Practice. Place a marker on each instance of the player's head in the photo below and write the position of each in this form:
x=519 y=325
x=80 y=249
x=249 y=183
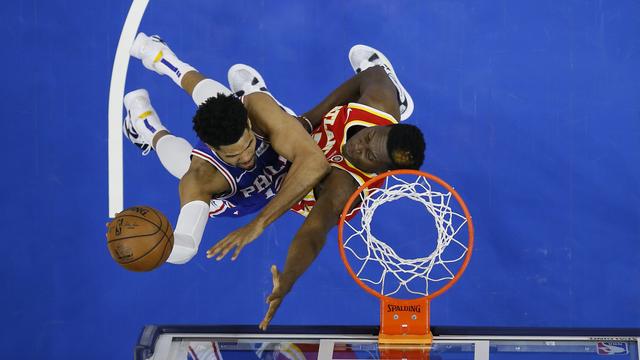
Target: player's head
x=221 y=122
x=380 y=148
x=406 y=147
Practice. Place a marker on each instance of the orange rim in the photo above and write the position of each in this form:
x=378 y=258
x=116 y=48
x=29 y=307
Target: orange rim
x=380 y=177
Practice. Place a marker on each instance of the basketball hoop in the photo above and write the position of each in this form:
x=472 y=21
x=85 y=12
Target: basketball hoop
x=405 y=321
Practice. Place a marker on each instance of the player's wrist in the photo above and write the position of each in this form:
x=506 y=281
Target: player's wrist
x=259 y=223
x=285 y=283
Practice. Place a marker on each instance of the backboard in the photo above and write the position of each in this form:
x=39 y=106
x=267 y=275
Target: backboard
x=169 y=342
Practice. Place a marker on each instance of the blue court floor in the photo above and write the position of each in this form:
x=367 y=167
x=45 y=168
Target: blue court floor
x=531 y=109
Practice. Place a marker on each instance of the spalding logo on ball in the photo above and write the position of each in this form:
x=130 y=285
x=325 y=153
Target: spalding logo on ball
x=140 y=238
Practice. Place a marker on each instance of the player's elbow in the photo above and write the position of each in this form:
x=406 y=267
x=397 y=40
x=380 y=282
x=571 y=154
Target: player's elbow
x=312 y=163
x=325 y=166
x=188 y=232
x=320 y=165
x=184 y=249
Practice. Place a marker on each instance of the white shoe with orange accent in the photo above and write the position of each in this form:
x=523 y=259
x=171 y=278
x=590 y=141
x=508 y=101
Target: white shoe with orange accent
x=141 y=123
x=363 y=57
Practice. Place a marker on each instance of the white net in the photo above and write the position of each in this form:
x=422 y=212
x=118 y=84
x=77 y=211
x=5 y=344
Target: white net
x=379 y=265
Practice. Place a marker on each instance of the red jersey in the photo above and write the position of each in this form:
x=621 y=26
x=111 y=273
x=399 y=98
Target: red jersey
x=331 y=136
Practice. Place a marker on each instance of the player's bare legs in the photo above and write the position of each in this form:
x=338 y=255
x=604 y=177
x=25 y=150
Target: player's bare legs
x=375 y=84
x=157 y=56
x=190 y=80
x=143 y=127
x=362 y=57
x=377 y=91
x=371 y=87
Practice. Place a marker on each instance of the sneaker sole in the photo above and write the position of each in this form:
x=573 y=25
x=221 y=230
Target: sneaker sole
x=136 y=47
x=263 y=88
x=409 y=110
x=134 y=94
x=252 y=71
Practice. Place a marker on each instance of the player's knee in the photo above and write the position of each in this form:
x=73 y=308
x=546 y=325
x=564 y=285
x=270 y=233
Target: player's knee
x=376 y=72
x=376 y=79
x=382 y=98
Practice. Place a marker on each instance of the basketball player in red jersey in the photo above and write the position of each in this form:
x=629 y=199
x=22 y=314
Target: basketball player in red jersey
x=357 y=129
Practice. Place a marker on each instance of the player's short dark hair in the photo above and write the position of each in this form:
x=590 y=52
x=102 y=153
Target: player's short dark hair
x=220 y=120
x=406 y=147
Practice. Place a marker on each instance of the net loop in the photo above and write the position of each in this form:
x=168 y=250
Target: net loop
x=413 y=275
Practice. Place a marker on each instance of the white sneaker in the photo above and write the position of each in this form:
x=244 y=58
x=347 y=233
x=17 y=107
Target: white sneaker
x=141 y=123
x=152 y=50
x=131 y=134
x=245 y=80
x=363 y=57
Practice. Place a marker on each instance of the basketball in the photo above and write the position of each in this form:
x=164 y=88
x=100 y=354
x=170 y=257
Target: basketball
x=140 y=238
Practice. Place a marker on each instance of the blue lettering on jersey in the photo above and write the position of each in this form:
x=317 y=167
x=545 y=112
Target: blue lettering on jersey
x=250 y=189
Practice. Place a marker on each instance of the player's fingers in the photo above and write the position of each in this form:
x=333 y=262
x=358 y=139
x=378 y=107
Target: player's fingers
x=264 y=324
x=212 y=252
x=273 y=307
x=274 y=275
x=220 y=246
x=221 y=255
x=273 y=297
x=215 y=248
x=226 y=250
x=237 y=252
x=267 y=319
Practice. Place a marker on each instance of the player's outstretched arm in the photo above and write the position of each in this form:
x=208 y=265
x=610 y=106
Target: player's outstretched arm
x=310 y=239
x=197 y=186
x=308 y=167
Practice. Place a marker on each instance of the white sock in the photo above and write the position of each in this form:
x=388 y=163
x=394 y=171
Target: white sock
x=208 y=88
x=174 y=154
x=171 y=66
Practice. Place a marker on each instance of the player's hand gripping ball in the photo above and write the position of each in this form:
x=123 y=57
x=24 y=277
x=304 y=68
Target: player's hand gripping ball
x=140 y=238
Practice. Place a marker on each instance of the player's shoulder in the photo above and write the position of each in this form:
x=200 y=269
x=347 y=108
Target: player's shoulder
x=267 y=115
x=367 y=114
x=204 y=177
